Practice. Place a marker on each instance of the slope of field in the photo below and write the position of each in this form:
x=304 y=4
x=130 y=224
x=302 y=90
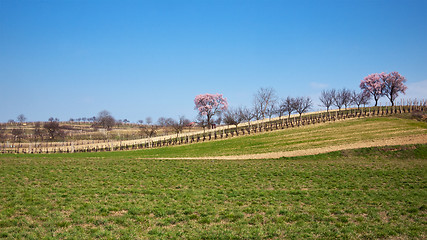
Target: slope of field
x=355 y=194
x=329 y=135
x=364 y=193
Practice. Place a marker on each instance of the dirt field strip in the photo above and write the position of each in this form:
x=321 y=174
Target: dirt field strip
x=419 y=139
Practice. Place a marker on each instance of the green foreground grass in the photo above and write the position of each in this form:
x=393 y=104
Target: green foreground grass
x=367 y=193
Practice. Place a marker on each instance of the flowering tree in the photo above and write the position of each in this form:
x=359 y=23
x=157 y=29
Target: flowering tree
x=209 y=105
x=393 y=84
x=383 y=84
x=374 y=85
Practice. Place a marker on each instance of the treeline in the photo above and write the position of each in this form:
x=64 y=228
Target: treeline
x=414 y=108
x=100 y=128
x=266 y=103
x=213 y=110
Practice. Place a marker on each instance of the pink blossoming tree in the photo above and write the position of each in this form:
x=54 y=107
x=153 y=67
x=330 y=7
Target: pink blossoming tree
x=383 y=84
x=210 y=105
x=374 y=85
x=393 y=84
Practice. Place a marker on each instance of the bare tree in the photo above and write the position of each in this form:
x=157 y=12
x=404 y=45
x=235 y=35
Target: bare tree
x=302 y=105
x=53 y=129
x=3 y=135
x=21 y=118
x=18 y=134
x=38 y=132
x=280 y=111
x=106 y=120
x=169 y=122
x=327 y=98
x=219 y=118
x=148 y=120
x=247 y=115
x=165 y=123
x=234 y=116
x=272 y=109
x=51 y=119
x=342 y=98
x=361 y=98
x=263 y=100
x=338 y=100
x=150 y=130
x=179 y=125
x=202 y=122
x=346 y=97
x=161 y=121
x=287 y=106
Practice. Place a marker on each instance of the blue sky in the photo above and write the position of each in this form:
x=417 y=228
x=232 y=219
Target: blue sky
x=75 y=58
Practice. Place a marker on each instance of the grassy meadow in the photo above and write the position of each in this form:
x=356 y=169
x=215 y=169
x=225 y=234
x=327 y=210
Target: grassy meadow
x=365 y=193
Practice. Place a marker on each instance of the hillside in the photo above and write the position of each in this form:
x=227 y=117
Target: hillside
x=353 y=133
x=371 y=193
x=349 y=124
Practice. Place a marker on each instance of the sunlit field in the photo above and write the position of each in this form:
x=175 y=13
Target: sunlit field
x=302 y=138
x=366 y=193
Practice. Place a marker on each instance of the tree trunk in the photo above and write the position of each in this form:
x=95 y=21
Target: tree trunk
x=209 y=121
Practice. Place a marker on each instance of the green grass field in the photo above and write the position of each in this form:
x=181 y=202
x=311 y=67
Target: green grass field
x=366 y=193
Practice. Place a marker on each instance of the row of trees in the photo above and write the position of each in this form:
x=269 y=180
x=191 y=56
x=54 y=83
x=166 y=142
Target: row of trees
x=21 y=119
x=150 y=130
x=267 y=104
x=51 y=129
x=235 y=116
x=94 y=120
x=343 y=98
x=213 y=108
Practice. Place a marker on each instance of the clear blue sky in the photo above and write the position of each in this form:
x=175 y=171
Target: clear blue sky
x=70 y=59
